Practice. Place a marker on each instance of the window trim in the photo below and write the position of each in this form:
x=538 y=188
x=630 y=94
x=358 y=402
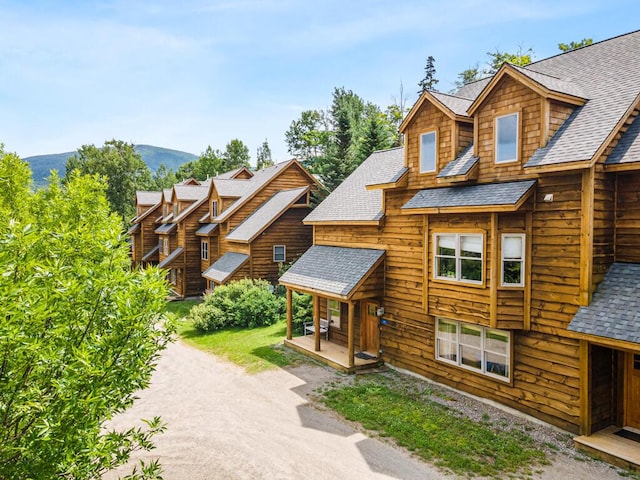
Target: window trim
x=173 y=277
x=495 y=138
x=165 y=246
x=435 y=151
x=458 y=258
x=204 y=250
x=522 y=260
x=214 y=208
x=334 y=321
x=284 y=253
x=483 y=349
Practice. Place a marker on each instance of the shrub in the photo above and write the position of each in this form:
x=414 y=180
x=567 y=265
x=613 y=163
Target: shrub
x=302 y=309
x=244 y=303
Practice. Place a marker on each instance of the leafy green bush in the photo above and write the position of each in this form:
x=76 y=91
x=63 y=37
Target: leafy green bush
x=302 y=309
x=244 y=303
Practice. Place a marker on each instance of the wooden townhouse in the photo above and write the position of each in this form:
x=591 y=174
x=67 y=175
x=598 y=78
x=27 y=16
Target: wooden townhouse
x=498 y=251
x=144 y=241
x=254 y=225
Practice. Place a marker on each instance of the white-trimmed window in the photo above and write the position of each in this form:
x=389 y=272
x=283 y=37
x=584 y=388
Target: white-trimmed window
x=279 y=253
x=428 y=152
x=204 y=250
x=480 y=349
x=506 y=138
x=458 y=257
x=173 y=277
x=165 y=246
x=513 y=250
x=333 y=313
x=212 y=285
x=176 y=210
x=214 y=209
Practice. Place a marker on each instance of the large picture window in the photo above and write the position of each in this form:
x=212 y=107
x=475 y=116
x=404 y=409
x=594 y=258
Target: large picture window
x=458 y=257
x=506 y=138
x=480 y=349
x=513 y=259
x=333 y=313
x=428 y=152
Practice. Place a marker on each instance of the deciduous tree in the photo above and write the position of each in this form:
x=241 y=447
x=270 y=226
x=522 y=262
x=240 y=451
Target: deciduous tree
x=80 y=332
x=567 y=47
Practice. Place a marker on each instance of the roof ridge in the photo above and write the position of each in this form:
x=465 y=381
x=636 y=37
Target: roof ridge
x=455 y=96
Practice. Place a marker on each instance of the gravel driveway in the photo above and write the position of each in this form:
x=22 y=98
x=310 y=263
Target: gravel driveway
x=225 y=424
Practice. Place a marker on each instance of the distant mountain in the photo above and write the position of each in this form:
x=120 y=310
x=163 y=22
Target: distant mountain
x=41 y=165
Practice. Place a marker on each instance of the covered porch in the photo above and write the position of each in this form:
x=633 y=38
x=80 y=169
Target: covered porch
x=346 y=285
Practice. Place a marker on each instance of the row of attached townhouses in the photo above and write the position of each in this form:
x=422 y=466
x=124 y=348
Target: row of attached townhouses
x=498 y=251
x=236 y=225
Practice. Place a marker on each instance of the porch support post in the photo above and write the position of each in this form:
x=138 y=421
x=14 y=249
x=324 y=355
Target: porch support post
x=316 y=322
x=289 y=314
x=585 y=388
x=350 y=319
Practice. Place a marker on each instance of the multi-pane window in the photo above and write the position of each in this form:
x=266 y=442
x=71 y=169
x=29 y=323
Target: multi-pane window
x=458 y=257
x=279 y=253
x=428 y=152
x=214 y=209
x=176 y=210
x=204 y=250
x=480 y=349
x=513 y=259
x=506 y=138
x=333 y=313
x=165 y=246
x=173 y=277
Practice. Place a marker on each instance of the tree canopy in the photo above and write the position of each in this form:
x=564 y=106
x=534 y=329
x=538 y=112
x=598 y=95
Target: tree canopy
x=429 y=80
x=493 y=63
x=123 y=168
x=80 y=330
x=263 y=156
x=567 y=47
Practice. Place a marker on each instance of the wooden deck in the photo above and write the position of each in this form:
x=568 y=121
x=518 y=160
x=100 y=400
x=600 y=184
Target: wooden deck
x=332 y=354
x=611 y=448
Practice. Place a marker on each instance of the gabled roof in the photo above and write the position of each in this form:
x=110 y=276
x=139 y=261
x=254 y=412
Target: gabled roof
x=166 y=195
x=190 y=193
x=234 y=188
x=265 y=215
x=335 y=271
x=486 y=197
x=351 y=201
x=225 y=266
x=627 y=151
x=259 y=180
x=146 y=198
x=133 y=229
x=461 y=166
x=235 y=173
x=455 y=107
x=177 y=256
x=146 y=213
x=614 y=312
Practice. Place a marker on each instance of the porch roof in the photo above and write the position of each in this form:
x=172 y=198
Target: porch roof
x=334 y=271
x=207 y=229
x=489 y=197
x=133 y=228
x=152 y=255
x=614 y=312
x=166 y=228
x=225 y=266
x=172 y=258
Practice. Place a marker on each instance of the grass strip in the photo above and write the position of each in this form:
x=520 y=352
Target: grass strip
x=435 y=432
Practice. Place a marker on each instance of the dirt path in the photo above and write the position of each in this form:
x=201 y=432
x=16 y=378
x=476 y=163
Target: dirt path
x=225 y=424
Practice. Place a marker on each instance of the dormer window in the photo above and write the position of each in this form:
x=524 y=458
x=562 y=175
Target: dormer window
x=175 y=210
x=214 y=209
x=506 y=138
x=428 y=152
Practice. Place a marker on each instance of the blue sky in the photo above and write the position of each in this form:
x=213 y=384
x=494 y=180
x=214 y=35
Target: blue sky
x=193 y=73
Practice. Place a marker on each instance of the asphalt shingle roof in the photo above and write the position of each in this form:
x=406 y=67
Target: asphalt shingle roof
x=552 y=83
x=461 y=165
x=628 y=148
x=227 y=187
x=166 y=228
x=225 y=266
x=148 y=198
x=454 y=103
x=191 y=193
x=608 y=74
x=615 y=308
x=334 y=270
x=351 y=201
x=151 y=255
x=265 y=215
x=172 y=257
x=207 y=229
x=488 y=194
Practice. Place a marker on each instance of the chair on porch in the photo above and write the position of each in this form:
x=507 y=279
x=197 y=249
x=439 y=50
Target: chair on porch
x=310 y=328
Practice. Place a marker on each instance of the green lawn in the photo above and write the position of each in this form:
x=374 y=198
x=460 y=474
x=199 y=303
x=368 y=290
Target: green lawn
x=255 y=349
x=435 y=432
